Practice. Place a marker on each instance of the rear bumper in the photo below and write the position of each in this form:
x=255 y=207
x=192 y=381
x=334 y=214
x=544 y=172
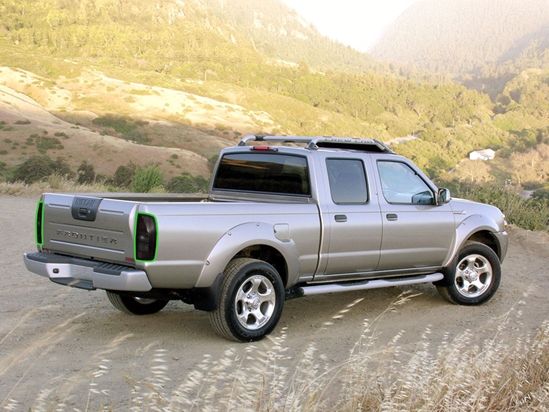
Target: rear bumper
x=86 y=274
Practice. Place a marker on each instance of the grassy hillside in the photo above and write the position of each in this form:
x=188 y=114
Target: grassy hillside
x=106 y=91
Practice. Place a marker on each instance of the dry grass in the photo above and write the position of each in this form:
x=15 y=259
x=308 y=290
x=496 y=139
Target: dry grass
x=462 y=374
x=51 y=184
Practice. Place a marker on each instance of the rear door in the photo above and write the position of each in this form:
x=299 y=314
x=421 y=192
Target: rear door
x=352 y=221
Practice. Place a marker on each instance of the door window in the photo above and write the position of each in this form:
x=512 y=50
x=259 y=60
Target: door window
x=347 y=181
x=402 y=185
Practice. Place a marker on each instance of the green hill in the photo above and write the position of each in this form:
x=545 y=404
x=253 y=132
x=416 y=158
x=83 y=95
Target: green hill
x=168 y=84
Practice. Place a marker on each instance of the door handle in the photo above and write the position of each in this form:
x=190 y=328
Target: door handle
x=340 y=218
x=392 y=217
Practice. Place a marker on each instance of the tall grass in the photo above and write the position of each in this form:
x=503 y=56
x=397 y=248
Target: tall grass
x=499 y=373
x=53 y=183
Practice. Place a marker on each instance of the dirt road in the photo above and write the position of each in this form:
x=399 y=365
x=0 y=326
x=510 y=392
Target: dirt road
x=67 y=349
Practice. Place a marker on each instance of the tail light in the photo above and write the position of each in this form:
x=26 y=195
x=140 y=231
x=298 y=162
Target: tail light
x=145 y=237
x=39 y=221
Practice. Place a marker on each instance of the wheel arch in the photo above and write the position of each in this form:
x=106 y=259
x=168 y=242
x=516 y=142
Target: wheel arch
x=255 y=240
x=482 y=229
x=486 y=237
x=268 y=254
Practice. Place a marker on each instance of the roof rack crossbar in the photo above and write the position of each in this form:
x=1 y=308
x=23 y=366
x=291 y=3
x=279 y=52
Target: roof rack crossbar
x=316 y=142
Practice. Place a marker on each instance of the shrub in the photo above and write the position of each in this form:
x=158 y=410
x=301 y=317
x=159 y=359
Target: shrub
x=147 y=180
x=123 y=175
x=86 y=173
x=44 y=143
x=187 y=184
x=530 y=214
x=61 y=134
x=37 y=168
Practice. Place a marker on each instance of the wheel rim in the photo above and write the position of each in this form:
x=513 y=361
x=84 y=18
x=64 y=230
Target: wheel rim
x=144 y=301
x=255 y=302
x=473 y=276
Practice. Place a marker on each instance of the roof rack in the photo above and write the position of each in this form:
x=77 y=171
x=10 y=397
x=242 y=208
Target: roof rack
x=317 y=142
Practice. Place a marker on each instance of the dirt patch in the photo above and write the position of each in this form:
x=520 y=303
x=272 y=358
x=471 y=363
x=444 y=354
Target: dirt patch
x=67 y=349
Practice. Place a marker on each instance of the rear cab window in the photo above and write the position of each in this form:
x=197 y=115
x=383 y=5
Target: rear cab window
x=273 y=173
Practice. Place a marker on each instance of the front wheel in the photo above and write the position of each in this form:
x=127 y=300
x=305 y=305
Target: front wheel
x=475 y=277
x=251 y=301
x=136 y=306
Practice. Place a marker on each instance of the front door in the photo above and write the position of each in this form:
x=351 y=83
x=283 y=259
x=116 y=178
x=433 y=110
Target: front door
x=417 y=233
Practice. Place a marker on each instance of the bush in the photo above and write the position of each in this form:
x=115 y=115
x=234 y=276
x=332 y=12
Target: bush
x=123 y=176
x=530 y=214
x=187 y=184
x=86 y=173
x=44 y=143
x=147 y=180
x=37 y=168
x=127 y=128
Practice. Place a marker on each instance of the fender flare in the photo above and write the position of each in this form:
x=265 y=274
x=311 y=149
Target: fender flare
x=241 y=237
x=465 y=230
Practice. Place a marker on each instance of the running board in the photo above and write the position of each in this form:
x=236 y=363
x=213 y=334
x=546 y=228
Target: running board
x=367 y=284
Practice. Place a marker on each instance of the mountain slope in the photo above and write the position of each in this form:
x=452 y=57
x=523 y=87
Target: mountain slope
x=459 y=36
x=279 y=33
x=165 y=34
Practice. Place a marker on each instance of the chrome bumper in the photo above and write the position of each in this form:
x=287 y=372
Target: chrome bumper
x=86 y=274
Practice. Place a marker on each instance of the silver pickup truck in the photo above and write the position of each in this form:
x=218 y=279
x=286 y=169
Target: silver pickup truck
x=285 y=217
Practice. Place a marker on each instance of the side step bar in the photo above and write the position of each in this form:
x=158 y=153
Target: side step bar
x=366 y=284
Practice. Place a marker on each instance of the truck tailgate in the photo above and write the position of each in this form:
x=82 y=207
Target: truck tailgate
x=88 y=227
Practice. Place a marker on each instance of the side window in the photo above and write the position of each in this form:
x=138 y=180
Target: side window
x=347 y=180
x=401 y=184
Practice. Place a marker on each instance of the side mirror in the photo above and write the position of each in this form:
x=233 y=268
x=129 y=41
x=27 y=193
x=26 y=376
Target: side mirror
x=443 y=196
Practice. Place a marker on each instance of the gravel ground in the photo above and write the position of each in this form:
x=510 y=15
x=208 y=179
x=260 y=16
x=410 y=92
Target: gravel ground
x=68 y=349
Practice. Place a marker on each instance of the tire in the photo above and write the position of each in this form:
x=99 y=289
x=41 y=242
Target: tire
x=475 y=276
x=250 y=302
x=136 y=306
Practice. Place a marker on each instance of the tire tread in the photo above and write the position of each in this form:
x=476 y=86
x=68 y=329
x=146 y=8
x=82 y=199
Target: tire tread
x=219 y=317
x=128 y=304
x=447 y=291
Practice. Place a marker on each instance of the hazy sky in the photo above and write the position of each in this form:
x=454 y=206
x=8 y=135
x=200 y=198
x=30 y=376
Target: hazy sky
x=358 y=23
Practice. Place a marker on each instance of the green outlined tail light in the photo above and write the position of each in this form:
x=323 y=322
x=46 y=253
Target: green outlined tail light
x=39 y=223
x=145 y=237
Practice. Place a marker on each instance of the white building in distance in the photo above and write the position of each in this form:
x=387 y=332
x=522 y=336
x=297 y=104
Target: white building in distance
x=486 y=154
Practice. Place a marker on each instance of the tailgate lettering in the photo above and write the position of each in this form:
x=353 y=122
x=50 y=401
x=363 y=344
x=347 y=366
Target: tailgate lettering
x=86 y=236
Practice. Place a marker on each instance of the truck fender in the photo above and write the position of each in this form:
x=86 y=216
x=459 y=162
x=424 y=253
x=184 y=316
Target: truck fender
x=467 y=228
x=243 y=236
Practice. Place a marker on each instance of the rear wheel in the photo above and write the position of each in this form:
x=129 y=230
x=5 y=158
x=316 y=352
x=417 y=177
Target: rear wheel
x=475 y=277
x=135 y=305
x=251 y=301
